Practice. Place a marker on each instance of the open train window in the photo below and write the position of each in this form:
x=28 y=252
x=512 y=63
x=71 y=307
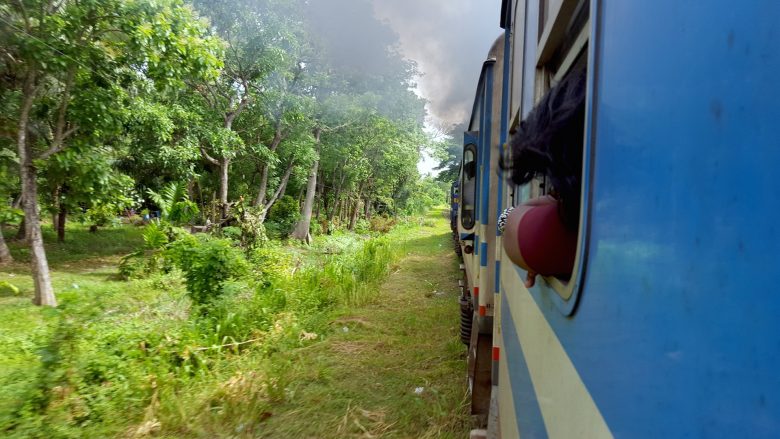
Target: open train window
x=564 y=52
x=561 y=50
x=468 y=193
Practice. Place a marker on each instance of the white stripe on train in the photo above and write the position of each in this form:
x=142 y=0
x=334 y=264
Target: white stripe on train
x=566 y=405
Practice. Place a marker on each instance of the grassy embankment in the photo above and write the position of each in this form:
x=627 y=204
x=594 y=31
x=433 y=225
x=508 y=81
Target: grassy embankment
x=326 y=352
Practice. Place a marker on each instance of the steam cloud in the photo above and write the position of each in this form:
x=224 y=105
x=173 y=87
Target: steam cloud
x=448 y=39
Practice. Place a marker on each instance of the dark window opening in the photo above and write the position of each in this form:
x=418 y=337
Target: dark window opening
x=468 y=192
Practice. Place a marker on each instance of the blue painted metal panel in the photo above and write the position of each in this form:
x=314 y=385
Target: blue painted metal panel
x=486 y=144
x=505 y=110
x=470 y=138
x=483 y=254
x=676 y=334
x=527 y=411
x=498 y=277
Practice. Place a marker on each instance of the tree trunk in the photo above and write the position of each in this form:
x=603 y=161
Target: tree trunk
x=320 y=190
x=337 y=213
x=261 y=194
x=367 y=209
x=21 y=234
x=224 y=168
x=55 y=199
x=5 y=253
x=279 y=191
x=344 y=215
x=356 y=210
x=301 y=231
x=44 y=293
x=337 y=196
x=61 y=217
x=355 y=215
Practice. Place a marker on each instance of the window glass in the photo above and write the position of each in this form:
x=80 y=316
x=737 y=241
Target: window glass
x=469 y=187
x=518 y=32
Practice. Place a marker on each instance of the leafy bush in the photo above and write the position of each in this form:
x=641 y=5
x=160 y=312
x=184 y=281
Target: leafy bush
x=274 y=230
x=232 y=233
x=149 y=259
x=101 y=215
x=270 y=263
x=207 y=263
x=155 y=237
x=382 y=224
x=362 y=226
x=250 y=221
x=284 y=214
x=174 y=203
x=183 y=212
x=315 y=228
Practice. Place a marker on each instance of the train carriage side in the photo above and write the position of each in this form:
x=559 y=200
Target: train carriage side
x=668 y=325
x=480 y=191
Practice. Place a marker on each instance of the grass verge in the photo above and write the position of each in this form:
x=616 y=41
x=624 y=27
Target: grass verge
x=330 y=351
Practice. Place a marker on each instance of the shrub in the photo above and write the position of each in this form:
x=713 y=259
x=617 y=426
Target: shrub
x=155 y=237
x=174 y=203
x=250 y=221
x=183 y=212
x=207 y=263
x=102 y=215
x=232 y=233
x=315 y=228
x=149 y=259
x=270 y=263
x=362 y=226
x=284 y=213
x=382 y=224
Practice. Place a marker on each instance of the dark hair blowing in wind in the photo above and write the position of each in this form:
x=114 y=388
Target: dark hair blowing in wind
x=548 y=143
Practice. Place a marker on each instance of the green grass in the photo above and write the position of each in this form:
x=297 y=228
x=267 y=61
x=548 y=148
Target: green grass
x=126 y=358
x=360 y=382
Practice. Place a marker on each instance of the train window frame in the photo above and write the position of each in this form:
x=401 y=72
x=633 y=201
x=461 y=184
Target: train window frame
x=462 y=200
x=563 y=28
x=517 y=62
x=577 y=52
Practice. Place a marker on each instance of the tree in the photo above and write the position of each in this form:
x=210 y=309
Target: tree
x=258 y=35
x=449 y=152
x=74 y=65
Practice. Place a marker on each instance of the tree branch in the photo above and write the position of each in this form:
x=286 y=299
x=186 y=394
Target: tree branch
x=282 y=184
x=59 y=146
x=208 y=158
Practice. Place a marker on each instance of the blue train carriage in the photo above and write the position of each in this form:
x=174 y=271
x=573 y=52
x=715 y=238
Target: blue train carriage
x=480 y=193
x=454 y=199
x=668 y=324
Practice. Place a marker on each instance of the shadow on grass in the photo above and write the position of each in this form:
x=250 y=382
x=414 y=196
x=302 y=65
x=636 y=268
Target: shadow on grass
x=81 y=246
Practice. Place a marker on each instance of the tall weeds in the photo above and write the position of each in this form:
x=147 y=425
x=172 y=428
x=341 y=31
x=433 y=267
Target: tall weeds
x=158 y=365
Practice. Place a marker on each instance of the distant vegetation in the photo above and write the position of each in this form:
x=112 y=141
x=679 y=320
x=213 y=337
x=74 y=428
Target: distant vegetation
x=113 y=356
x=186 y=186
x=228 y=115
